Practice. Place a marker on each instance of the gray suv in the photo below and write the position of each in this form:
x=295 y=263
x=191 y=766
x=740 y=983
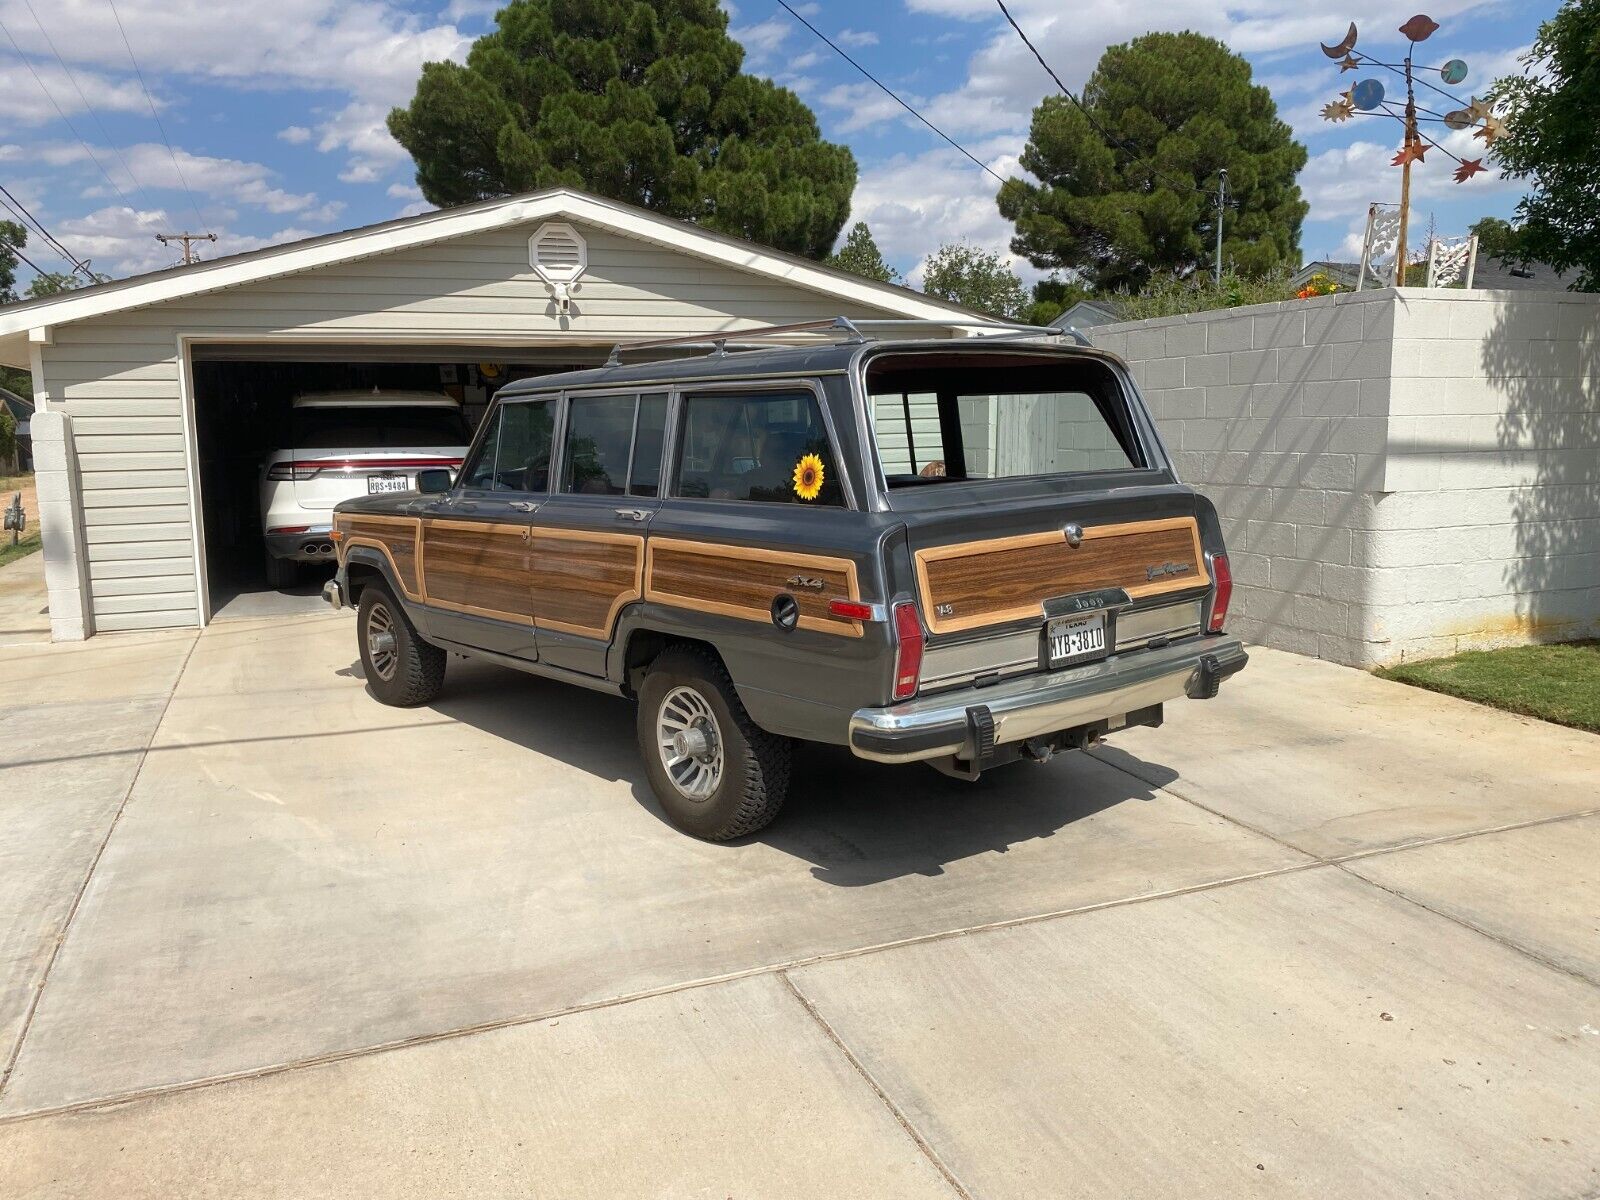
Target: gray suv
x=960 y=551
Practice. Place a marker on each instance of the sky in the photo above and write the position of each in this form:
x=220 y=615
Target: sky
x=264 y=122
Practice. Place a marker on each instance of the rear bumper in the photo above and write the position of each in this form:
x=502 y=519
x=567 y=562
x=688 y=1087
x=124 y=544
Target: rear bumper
x=311 y=545
x=958 y=725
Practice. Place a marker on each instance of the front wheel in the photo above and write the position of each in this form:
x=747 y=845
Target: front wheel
x=717 y=773
x=401 y=668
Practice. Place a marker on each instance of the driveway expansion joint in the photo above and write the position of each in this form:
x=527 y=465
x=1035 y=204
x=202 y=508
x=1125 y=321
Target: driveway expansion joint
x=88 y=875
x=911 y=1130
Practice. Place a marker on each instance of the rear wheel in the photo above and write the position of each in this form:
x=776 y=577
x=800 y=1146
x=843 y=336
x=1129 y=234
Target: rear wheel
x=717 y=773
x=401 y=668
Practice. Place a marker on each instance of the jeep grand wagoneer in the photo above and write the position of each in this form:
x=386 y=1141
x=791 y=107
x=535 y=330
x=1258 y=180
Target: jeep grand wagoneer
x=958 y=551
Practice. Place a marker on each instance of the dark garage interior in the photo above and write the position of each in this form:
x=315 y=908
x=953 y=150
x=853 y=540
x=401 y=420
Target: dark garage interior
x=243 y=397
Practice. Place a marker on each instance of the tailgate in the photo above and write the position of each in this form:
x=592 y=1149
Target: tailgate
x=988 y=568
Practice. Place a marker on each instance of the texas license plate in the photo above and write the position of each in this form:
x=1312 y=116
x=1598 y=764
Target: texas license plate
x=1071 y=639
x=377 y=485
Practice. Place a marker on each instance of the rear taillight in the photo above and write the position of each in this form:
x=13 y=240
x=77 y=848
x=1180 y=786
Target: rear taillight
x=287 y=472
x=908 y=650
x=1219 y=603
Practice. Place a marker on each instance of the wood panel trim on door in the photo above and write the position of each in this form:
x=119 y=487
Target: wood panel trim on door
x=595 y=580
x=741 y=581
x=516 y=589
x=1057 y=574
x=367 y=529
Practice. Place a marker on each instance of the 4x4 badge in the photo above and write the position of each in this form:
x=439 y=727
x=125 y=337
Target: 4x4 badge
x=805 y=581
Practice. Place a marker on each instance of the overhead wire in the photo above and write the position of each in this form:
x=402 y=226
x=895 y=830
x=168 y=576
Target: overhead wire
x=7 y=247
x=888 y=91
x=150 y=100
x=20 y=211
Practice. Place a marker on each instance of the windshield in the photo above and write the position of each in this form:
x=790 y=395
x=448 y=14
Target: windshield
x=950 y=417
x=378 y=427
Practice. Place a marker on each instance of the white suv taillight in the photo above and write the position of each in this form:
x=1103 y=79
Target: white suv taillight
x=286 y=472
x=908 y=650
x=1219 y=604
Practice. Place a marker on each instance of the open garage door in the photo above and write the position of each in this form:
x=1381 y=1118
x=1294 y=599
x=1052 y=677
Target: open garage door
x=253 y=402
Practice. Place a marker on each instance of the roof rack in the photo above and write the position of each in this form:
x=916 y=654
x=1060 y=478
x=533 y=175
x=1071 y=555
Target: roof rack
x=844 y=331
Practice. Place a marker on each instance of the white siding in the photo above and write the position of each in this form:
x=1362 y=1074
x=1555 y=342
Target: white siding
x=119 y=376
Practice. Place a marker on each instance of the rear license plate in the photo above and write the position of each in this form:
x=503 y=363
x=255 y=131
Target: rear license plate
x=1073 y=639
x=378 y=484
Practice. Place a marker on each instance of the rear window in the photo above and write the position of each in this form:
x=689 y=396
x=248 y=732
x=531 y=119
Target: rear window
x=377 y=427
x=954 y=420
x=768 y=447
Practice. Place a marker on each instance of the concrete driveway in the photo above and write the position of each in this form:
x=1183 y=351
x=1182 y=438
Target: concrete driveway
x=260 y=935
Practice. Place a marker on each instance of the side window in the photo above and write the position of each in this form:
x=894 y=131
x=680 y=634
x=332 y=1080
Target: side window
x=646 y=476
x=527 y=434
x=770 y=447
x=599 y=436
x=481 y=473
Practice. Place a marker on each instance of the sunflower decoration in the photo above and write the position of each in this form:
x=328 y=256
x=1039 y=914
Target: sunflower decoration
x=808 y=477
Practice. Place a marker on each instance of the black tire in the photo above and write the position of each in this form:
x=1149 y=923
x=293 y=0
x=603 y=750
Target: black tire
x=281 y=572
x=752 y=775
x=402 y=669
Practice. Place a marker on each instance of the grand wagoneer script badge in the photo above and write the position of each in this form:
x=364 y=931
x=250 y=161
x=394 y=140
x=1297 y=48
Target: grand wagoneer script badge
x=1166 y=568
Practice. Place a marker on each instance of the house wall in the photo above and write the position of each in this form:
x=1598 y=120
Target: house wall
x=119 y=378
x=1399 y=473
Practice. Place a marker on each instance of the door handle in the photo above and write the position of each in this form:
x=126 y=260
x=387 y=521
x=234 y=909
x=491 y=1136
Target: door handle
x=523 y=505
x=633 y=514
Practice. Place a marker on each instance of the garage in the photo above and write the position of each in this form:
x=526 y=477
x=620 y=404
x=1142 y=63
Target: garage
x=163 y=397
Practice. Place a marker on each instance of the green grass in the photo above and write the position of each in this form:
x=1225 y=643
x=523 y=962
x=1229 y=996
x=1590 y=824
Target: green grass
x=29 y=543
x=1555 y=683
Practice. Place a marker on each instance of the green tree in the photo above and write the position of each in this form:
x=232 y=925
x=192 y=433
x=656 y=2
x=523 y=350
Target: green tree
x=860 y=256
x=13 y=237
x=1552 y=139
x=638 y=100
x=1052 y=296
x=976 y=278
x=1178 y=108
x=8 y=444
x=53 y=283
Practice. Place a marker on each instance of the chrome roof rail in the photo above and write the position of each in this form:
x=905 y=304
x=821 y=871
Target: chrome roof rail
x=846 y=330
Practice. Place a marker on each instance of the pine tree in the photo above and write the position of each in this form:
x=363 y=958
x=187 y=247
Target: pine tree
x=1177 y=107
x=638 y=100
x=860 y=256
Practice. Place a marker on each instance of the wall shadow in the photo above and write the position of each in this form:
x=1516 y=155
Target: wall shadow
x=1551 y=423
x=856 y=823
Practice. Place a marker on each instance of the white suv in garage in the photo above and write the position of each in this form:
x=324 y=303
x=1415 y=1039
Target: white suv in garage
x=345 y=444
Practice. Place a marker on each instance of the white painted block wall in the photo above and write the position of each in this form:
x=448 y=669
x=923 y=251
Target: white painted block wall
x=1399 y=474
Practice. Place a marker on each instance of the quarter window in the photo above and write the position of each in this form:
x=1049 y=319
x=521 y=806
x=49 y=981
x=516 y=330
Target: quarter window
x=770 y=447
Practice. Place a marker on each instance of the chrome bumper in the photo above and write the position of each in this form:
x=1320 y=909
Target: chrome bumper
x=333 y=593
x=958 y=724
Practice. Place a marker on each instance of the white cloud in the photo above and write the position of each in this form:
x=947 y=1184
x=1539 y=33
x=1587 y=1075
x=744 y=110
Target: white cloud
x=862 y=105
x=405 y=191
x=295 y=135
x=762 y=40
x=23 y=101
x=857 y=37
x=122 y=240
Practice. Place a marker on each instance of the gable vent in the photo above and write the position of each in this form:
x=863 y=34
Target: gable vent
x=558 y=253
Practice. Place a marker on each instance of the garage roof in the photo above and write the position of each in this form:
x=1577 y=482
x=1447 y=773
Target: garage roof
x=16 y=320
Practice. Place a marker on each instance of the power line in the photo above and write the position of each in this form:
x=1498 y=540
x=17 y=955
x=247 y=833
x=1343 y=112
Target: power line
x=150 y=100
x=17 y=208
x=1184 y=185
x=6 y=247
x=27 y=62
x=87 y=107
x=884 y=88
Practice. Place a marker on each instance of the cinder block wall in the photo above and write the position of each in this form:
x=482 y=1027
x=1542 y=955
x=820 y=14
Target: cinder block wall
x=1399 y=474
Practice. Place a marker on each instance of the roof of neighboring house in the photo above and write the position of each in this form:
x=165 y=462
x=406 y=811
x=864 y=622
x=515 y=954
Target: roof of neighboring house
x=626 y=220
x=1342 y=273
x=20 y=407
x=1086 y=314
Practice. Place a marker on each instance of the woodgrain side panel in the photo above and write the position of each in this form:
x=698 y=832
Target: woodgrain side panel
x=477 y=567
x=580 y=579
x=396 y=537
x=1009 y=579
x=738 y=581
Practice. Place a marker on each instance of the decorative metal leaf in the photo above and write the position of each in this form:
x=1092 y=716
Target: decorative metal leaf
x=1468 y=168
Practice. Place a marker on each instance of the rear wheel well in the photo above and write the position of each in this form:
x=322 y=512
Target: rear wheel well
x=647 y=645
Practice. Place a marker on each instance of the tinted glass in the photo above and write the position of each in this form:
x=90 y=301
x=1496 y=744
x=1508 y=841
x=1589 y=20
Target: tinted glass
x=527 y=434
x=378 y=427
x=646 y=479
x=515 y=456
x=599 y=434
x=763 y=446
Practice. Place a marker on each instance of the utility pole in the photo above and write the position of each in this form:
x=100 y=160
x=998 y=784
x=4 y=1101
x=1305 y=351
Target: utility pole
x=166 y=239
x=1222 y=199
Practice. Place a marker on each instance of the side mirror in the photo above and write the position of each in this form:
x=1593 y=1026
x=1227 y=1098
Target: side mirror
x=433 y=480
